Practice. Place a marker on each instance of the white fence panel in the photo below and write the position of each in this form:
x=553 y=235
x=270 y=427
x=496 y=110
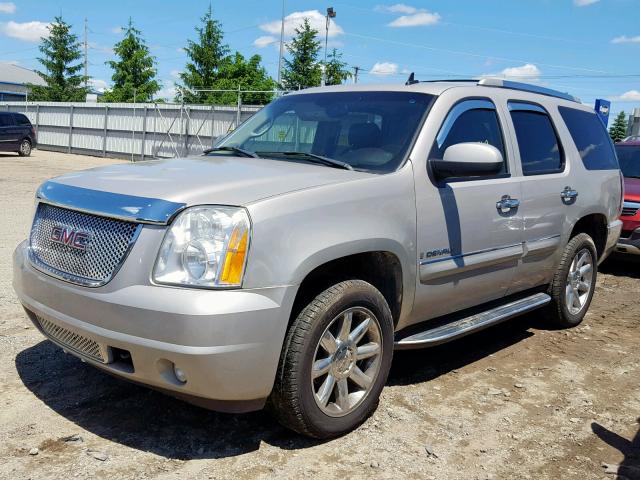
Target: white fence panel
x=135 y=131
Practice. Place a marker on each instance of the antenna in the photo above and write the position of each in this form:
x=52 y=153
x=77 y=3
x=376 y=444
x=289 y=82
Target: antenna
x=86 y=56
x=412 y=79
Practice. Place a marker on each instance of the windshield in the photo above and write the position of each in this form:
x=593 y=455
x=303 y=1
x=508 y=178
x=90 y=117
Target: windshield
x=367 y=130
x=629 y=158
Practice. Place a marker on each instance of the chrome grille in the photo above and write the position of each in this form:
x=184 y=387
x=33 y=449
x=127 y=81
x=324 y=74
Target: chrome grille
x=629 y=211
x=91 y=265
x=68 y=339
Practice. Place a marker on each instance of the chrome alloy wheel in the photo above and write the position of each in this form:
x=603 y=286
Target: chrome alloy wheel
x=25 y=148
x=579 y=281
x=346 y=361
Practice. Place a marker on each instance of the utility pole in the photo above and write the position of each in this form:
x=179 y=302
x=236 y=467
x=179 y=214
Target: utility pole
x=281 y=47
x=86 y=55
x=331 y=13
x=355 y=74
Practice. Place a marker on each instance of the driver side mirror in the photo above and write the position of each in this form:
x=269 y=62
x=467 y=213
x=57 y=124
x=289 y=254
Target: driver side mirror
x=467 y=160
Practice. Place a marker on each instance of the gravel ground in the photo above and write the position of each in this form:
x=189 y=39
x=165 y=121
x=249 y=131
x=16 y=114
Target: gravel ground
x=515 y=401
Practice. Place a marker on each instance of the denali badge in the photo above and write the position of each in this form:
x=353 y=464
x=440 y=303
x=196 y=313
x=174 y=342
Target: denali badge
x=70 y=237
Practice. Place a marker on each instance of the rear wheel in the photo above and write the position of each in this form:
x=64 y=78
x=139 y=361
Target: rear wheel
x=574 y=282
x=25 y=148
x=335 y=361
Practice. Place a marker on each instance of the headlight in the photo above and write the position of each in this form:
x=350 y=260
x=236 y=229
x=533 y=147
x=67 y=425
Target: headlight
x=205 y=247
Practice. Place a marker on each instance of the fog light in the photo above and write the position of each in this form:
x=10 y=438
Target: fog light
x=179 y=373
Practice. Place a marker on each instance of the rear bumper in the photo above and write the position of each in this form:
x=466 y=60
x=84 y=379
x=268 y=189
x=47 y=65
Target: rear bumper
x=613 y=235
x=631 y=244
x=227 y=343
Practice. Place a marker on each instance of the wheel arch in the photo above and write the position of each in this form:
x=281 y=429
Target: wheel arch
x=596 y=226
x=380 y=267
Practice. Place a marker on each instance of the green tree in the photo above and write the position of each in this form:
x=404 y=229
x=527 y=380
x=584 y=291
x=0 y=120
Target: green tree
x=303 y=69
x=207 y=56
x=134 y=72
x=618 y=129
x=237 y=72
x=60 y=51
x=336 y=70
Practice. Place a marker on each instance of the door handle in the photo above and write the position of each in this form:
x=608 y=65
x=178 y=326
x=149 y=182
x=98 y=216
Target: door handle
x=568 y=194
x=506 y=203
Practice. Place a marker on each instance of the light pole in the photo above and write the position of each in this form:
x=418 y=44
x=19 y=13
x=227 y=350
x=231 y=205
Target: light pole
x=281 y=47
x=331 y=13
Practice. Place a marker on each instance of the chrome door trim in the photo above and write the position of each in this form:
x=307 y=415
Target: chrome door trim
x=456 y=264
x=128 y=208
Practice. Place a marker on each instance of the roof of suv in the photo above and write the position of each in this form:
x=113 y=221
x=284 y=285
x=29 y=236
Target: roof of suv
x=437 y=87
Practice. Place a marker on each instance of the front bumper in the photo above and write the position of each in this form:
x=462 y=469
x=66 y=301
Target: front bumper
x=227 y=343
x=630 y=244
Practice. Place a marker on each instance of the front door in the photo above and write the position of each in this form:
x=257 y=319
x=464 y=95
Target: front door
x=469 y=240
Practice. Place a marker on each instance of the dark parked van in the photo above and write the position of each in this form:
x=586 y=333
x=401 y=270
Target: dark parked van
x=16 y=134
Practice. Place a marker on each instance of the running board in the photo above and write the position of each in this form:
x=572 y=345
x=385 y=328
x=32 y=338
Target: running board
x=473 y=323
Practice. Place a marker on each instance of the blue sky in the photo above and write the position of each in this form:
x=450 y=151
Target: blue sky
x=587 y=47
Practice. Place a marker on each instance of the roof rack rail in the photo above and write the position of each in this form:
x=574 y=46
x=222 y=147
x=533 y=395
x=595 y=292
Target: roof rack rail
x=526 y=87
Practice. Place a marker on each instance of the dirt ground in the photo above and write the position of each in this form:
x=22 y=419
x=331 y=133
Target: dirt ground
x=515 y=401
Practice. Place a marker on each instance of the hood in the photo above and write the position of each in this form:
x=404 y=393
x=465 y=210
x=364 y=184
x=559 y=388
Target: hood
x=632 y=189
x=207 y=180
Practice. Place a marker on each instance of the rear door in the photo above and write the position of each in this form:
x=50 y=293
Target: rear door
x=8 y=140
x=549 y=191
x=468 y=247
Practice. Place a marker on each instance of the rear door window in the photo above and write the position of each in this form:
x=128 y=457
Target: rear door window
x=6 y=120
x=540 y=149
x=591 y=139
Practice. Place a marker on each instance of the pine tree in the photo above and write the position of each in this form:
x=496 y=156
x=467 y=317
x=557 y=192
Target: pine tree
x=618 y=130
x=134 y=72
x=207 y=56
x=248 y=75
x=336 y=70
x=60 y=50
x=303 y=69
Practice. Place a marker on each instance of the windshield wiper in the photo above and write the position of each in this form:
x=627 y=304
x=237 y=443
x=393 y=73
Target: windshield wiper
x=241 y=151
x=312 y=157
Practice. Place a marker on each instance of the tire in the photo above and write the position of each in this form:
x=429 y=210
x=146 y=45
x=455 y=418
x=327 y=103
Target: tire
x=297 y=398
x=567 y=309
x=25 y=148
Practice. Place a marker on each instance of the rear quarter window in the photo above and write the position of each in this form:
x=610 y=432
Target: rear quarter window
x=21 y=119
x=591 y=139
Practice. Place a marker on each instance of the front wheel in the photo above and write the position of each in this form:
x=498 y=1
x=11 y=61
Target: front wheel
x=25 y=148
x=335 y=361
x=574 y=282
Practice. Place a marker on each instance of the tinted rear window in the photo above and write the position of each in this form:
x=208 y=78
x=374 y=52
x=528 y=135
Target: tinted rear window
x=537 y=141
x=591 y=139
x=6 y=119
x=21 y=119
x=629 y=157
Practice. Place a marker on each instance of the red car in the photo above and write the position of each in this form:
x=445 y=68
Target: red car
x=629 y=158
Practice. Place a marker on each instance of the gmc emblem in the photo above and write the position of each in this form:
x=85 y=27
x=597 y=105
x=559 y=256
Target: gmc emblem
x=70 y=237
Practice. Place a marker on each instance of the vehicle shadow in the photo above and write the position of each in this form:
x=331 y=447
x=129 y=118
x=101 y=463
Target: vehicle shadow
x=621 y=266
x=423 y=365
x=629 y=468
x=147 y=420
x=141 y=418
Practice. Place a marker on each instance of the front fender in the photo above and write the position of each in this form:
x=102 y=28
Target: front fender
x=297 y=232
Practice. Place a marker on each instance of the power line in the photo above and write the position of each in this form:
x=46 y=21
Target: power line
x=471 y=54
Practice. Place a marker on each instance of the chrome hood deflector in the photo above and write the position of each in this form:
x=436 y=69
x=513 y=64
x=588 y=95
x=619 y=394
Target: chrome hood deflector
x=114 y=205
